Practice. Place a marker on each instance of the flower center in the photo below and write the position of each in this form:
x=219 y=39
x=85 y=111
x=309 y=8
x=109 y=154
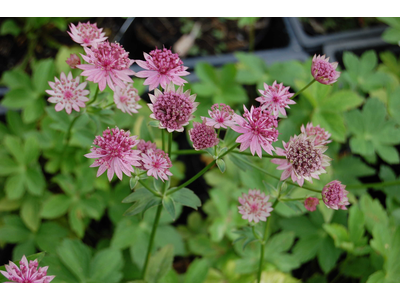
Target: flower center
x=68 y=95
x=304 y=157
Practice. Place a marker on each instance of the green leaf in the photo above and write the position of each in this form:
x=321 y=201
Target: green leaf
x=8 y=166
x=49 y=236
x=341 y=101
x=30 y=213
x=373 y=211
x=351 y=62
x=307 y=247
x=378 y=276
x=327 y=255
x=381 y=239
x=33 y=110
x=14 y=186
x=354 y=121
x=388 y=153
x=18 y=98
x=125 y=234
x=393 y=263
x=368 y=62
x=14 y=147
x=142 y=205
x=75 y=218
x=339 y=234
x=280 y=242
x=57 y=268
x=221 y=165
x=186 y=197
x=169 y=205
x=217 y=229
x=13 y=230
x=228 y=73
x=301 y=225
x=197 y=271
x=31 y=150
x=16 y=78
x=361 y=146
x=56 y=206
x=167 y=234
x=43 y=72
x=159 y=264
x=137 y=195
x=10 y=27
x=206 y=72
x=332 y=122
x=356 y=224
x=35 y=181
x=391 y=35
x=105 y=263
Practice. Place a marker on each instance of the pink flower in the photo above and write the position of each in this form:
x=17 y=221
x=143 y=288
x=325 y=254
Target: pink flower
x=127 y=98
x=26 y=273
x=276 y=98
x=157 y=163
x=114 y=154
x=203 y=136
x=67 y=93
x=334 y=195
x=255 y=206
x=73 y=61
x=174 y=109
x=86 y=34
x=323 y=71
x=304 y=160
x=258 y=130
x=107 y=64
x=143 y=147
x=163 y=67
x=221 y=116
x=321 y=135
x=311 y=203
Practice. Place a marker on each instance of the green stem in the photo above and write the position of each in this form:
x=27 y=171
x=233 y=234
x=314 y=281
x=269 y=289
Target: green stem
x=163 y=139
x=372 y=185
x=293 y=199
x=94 y=97
x=264 y=156
x=256 y=235
x=304 y=88
x=155 y=193
x=67 y=138
x=188 y=152
x=169 y=143
x=153 y=233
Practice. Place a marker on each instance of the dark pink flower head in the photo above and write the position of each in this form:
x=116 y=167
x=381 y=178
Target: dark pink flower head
x=73 y=61
x=275 y=98
x=321 y=135
x=68 y=93
x=259 y=130
x=304 y=160
x=107 y=64
x=255 y=206
x=174 y=109
x=162 y=67
x=311 y=203
x=143 y=147
x=127 y=98
x=114 y=153
x=203 y=136
x=221 y=116
x=334 y=195
x=86 y=34
x=157 y=164
x=27 y=272
x=323 y=71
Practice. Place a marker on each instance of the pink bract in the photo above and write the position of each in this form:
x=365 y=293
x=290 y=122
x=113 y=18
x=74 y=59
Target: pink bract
x=127 y=98
x=255 y=206
x=321 y=135
x=334 y=195
x=258 y=130
x=203 y=136
x=221 y=116
x=86 y=34
x=311 y=203
x=275 y=98
x=27 y=272
x=323 y=71
x=114 y=154
x=107 y=64
x=304 y=160
x=73 y=60
x=162 y=67
x=143 y=147
x=157 y=163
x=68 y=93
x=174 y=109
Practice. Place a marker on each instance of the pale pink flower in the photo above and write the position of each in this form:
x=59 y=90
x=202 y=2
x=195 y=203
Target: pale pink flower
x=311 y=203
x=334 y=195
x=174 y=109
x=127 y=98
x=221 y=116
x=323 y=71
x=255 y=206
x=107 y=64
x=157 y=164
x=67 y=93
x=259 y=130
x=73 y=61
x=162 y=67
x=275 y=98
x=114 y=154
x=321 y=135
x=86 y=34
x=143 y=147
x=304 y=160
x=203 y=136
x=27 y=272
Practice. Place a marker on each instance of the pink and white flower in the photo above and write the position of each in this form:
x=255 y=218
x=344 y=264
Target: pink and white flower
x=86 y=34
x=162 y=67
x=334 y=195
x=107 y=64
x=68 y=93
x=143 y=147
x=157 y=164
x=127 y=98
x=27 y=272
x=321 y=135
x=255 y=206
x=221 y=116
x=73 y=60
x=311 y=203
x=203 y=136
x=114 y=153
x=323 y=71
x=275 y=98
x=258 y=128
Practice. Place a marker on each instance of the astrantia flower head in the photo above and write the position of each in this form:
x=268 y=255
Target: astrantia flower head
x=143 y=147
x=321 y=135
x=304 y=160
x=86 y=34
x=255 y=206
x=334 y=195
x=174 y=109
x=73 y=60
x=323 y=71
x=162 y=67
x=311 y=203
x=221 y=116
x=107 y=64
x=157 y=164
x=68 y=93
x=127 y=98
x=203 y=136
x=275 y=98
x=27 y=272
x=259 y=130
x=114 y=153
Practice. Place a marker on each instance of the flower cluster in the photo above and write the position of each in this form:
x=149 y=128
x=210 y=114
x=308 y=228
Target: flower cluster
x=323 y=71
x=255 y=206
x=321 y=135
x=87 y=34
x=275 y=98
x=203 y=136
x=157 y=163
x=311 y=203
x=334 y=195
x=221 y=116
x=127 y=98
